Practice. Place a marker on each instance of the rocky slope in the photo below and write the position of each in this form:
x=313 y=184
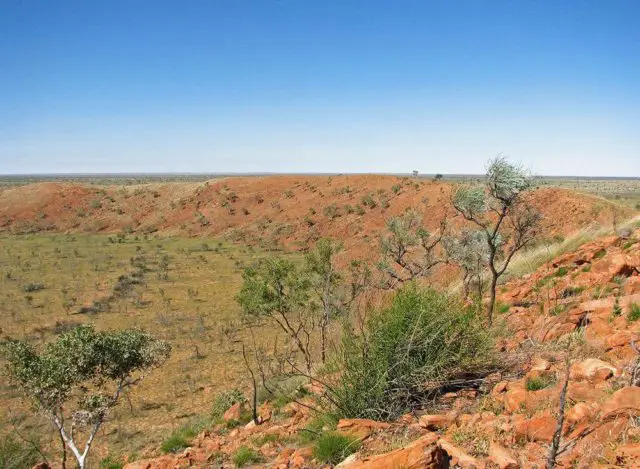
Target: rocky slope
x=579 y=313
x=289 y=211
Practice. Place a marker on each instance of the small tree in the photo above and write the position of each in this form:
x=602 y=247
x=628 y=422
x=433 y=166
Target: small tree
x=278 y=291
x=76 y=380
x=333 y=293
x=469 y=251
x=409 y=251
x=507 y=220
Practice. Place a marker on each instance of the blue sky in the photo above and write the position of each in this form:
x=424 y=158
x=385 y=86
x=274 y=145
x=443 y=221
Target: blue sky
x=319 y=86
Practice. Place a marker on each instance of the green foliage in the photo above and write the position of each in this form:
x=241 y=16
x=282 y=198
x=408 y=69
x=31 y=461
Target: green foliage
x=179 y=440
x=334 y=447
x=224 y=400
x=557 y=309
x=85 y=367
x=502 y=308
x=572 y=291
x=316 y=427
x=617 y=309
x=79 y=356
x=272 y=285
x=600 y=254
x=634 y=312
x=538 y=383
x=407 y=353
x=331 y=211
x=15 y=454
x=33 y=287
x=245 y=455
x=561 y=272
x=110 y=463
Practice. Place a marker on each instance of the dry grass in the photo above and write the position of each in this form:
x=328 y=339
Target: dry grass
x=529 y=261
x=190 y=303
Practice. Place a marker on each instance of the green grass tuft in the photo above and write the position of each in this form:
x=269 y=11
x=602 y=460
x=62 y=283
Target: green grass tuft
x=536 y=384
x=634 y=312
x=245 y=455
x=334 y=447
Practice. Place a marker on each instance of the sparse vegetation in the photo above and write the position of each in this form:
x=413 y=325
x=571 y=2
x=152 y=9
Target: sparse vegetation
x=407 y=353
x=333 y=447
x=245 y=455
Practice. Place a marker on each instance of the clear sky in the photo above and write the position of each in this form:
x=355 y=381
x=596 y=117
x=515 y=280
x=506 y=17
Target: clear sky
x=319 y=86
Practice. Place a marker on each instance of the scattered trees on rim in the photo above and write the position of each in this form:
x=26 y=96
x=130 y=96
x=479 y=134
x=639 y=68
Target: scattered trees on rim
x=86 y=367
x=409 y=251
x=274 y=289
x=300 y=300
x=507 y=220
x=333 y=294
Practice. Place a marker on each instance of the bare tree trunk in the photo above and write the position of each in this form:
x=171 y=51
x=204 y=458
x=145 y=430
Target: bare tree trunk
x=557 y=435
x=254 y=406
x=492 y=298
x=64 y=451
x=323 y=335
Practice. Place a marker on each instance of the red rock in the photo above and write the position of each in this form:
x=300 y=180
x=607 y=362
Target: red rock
x=300 y=457
x=435 y=422
x=611 y=266
x=233 y=413
x=501 y=457
x=458 y=457
x=421 y=454
x=582 y=413
x=540 y=428
x=629 y=452
x=618 y=339
x=624 y=402
x=592 y=369
x=361 y=428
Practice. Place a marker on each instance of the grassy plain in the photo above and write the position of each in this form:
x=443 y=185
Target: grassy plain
x=183 y=292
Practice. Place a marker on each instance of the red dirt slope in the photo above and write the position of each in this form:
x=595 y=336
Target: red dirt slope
x=277 y=210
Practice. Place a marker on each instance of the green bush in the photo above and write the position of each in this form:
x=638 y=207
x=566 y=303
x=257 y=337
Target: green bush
x=110 y=463
x=634 y=312
x=334 y=447
x=224 y=400
x=245 y=455
x=179 y=440
x=538 y=383
x=16 y=455
x=561 y=272
x=407 y=354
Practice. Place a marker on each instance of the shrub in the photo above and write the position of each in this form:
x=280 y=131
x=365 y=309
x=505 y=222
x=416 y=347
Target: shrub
x=634 y=312
x=538 y=383
x=245 y=455
x=617 y=310
x=31 y=287
x=224 y=400
x=600 y=254
x=561 y=272
x=110 y=463
x=179 y=440
x=334 y=447
x=408 y=353
x=16 y=455
x=331 y=211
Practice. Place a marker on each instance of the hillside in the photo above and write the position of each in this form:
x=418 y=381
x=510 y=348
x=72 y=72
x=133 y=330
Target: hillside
x=584 y=305
x=273 y=211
